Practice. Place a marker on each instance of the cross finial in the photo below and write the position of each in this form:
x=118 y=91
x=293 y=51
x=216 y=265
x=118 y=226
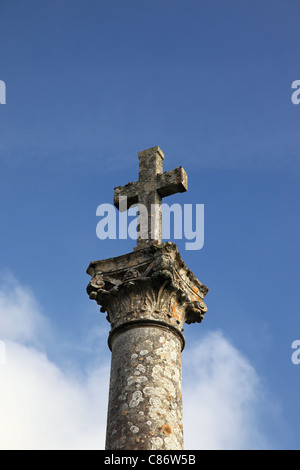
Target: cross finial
x=148 y=192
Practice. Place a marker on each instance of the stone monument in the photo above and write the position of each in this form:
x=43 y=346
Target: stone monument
x=148 y=295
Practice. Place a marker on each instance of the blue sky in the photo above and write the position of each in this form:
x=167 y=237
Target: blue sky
x=90 y=84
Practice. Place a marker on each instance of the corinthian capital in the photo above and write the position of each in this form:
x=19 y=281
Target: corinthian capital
x=148 y=285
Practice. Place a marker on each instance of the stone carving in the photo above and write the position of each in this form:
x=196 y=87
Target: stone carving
x=130 y=275
x=195 y=311
x=157 y=287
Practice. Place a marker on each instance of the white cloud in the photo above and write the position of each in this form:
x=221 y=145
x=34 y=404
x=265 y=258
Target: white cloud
x=43 y=406
x=223 y=397
x=20 y=317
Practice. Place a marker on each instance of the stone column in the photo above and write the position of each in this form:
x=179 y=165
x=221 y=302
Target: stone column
x=148 y=296
x=145 y=409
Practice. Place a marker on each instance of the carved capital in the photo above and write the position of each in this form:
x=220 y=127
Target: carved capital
x=148 y=285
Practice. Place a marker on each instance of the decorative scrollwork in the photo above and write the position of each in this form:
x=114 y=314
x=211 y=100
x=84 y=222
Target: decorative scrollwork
x=195 y=311
x=131 y=275
x=152 y=283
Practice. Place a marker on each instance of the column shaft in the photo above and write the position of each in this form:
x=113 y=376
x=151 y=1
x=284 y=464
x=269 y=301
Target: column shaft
x=145 y=402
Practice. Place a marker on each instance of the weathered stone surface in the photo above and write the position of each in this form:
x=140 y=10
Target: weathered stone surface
x=149 y=190
x=150 y=284
x=148 y=295
x=145 y=405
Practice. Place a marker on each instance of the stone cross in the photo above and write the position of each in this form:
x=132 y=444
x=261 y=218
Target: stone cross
x=148 y=192
x=148 y=294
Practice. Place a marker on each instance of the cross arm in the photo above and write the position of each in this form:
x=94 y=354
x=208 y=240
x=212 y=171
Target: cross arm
x=172 y=182
x=130 y=191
